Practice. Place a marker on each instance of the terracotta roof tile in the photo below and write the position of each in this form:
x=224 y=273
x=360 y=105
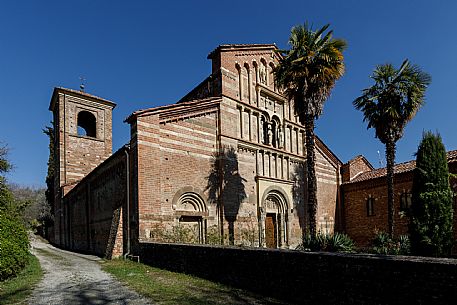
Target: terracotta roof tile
x=398 y=169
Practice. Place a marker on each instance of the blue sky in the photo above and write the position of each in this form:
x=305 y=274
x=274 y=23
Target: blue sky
x=142 y=54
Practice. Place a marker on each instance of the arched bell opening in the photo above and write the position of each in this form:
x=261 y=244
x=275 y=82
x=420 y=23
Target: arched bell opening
x=86 y=124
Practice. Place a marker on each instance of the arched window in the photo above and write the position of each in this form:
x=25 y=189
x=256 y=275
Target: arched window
x=240 y=81
x=248 y=81
x=87 y=124
x=274 y=130
x=271 y=76
x=267 y=133
x=277 y=133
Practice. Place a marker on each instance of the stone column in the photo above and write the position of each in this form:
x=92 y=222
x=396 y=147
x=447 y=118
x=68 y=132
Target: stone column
x=262 y=217
x=250 y=124
x=282 y=167
x=249 y=85
x=291 y=130
x=263 y=163
x=296 y=139
x=276 y=166
x=259 y=140
x=241 y=108
x=288 y=168
x=280 y=230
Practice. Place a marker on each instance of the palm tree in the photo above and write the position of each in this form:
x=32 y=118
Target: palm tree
x=306 y=74
x=388 y=106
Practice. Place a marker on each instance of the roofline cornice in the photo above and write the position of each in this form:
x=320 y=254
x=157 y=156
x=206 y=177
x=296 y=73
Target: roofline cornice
x=79 y=94
x=242 y=47
x=167 y=110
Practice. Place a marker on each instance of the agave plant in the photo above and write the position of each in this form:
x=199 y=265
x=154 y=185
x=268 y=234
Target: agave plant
x=336 y=242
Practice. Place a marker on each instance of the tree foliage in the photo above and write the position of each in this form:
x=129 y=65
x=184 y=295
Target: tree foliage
x=13 y=236
x=49 y=131
x=388 y=106
x=4 y=164
x=32 y=205
x=306 y=74
x=431 y=210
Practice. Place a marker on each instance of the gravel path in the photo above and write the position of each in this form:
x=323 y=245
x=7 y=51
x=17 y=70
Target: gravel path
x=71 y=278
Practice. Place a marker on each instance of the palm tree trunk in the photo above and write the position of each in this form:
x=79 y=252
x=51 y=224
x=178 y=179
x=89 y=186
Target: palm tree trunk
x=390 y=156
x=311 y=174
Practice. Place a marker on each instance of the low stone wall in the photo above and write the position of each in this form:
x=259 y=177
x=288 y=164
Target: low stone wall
x=314 y=278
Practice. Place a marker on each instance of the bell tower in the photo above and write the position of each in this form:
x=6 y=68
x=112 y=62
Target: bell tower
x=82 y=134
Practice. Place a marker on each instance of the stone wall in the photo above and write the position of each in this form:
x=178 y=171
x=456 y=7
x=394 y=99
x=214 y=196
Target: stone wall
x=314 y=278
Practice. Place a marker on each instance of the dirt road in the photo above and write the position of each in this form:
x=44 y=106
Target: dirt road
x=71 y=279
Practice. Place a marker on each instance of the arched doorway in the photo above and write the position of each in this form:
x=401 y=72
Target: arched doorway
x=190 y=210
x=275 y=220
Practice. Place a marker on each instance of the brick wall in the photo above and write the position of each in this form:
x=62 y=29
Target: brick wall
x=314 y=278
x=77 y=155
x=361 y=227
x=92 y=210
x=174 y=152
x=355 y=167
x=175 y=149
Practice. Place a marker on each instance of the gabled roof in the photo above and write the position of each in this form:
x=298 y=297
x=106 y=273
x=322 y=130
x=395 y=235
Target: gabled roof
x=240 y=46
x=329 y=153
x=182 y=105
x=361 y=157
x=77 y=93
x=398 y=169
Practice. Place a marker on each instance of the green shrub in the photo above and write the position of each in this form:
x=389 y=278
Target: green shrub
x=383 y=244
x=431 y=211
x=13 y=245
x=213 y=236
x=336 y=242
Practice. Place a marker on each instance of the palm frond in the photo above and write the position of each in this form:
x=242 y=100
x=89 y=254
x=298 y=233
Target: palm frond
x=394 y=99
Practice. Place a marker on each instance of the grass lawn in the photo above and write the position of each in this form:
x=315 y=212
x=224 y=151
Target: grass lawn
x=16 y=290
x=165 y=287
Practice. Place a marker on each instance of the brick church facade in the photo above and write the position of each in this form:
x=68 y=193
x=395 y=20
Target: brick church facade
x=227 y=159
x=224 y=164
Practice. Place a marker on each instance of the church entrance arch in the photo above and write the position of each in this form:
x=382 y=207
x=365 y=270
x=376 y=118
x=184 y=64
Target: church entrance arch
x=275 y=220
x=191 y=211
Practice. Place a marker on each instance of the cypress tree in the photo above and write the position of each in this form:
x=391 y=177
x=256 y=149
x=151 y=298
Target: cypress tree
x=431 y=210
x=49 y=131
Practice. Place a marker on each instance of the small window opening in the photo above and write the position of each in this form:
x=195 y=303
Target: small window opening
x=405 y=201
x=86 y=124
x=370 y=206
